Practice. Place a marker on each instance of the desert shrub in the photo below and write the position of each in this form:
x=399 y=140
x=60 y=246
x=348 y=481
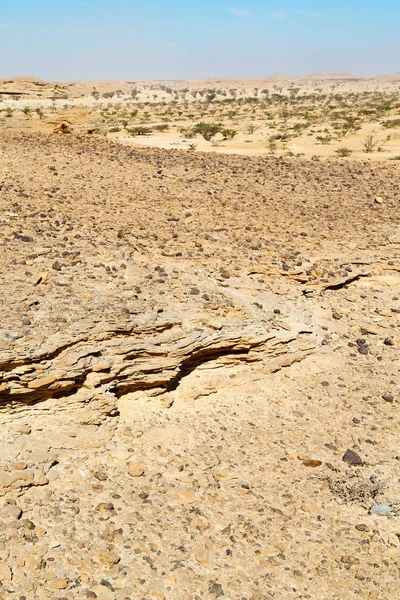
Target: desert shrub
x=272 y=145
x=391 y=123
x=207 y=130
x=298 y=127
x=324 y=139
x=251 y=129
x=187 y=132
x=370 y=144
x=140 y=131
x=228 y=134
x=343 y=152
x=162 y=127
x=281 y=137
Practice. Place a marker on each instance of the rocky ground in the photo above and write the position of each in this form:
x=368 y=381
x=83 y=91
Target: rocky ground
x=199 y=374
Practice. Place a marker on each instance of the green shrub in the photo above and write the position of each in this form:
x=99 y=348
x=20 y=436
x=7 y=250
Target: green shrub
x=140 y=131
x=207 y=130
x=228 y=134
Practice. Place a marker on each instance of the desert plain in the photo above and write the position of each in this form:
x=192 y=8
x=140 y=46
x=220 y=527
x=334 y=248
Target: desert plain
x=199 y=339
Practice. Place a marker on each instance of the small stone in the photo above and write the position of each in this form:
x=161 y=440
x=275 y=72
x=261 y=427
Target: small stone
x=135 y=469
x=59 y=584
x=203 y=526
x=157 y=594
x=120 y=454
x=389 y=341
x=56 y=266
x=312 y=463
x=382 y=510
x=362 y=527
x=216 y=588
x=350 y=560
x=201 y=555
x=105 y=507
x=188 y=497
x=10 y=512
x=378 y=200
x=352 y=458
x=363 y=350
x=109 y=558
x=24 y=429
x=388 y=397
x=39 y=278
x=33 y=562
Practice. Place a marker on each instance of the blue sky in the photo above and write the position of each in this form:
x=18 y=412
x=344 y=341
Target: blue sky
x=183 y=39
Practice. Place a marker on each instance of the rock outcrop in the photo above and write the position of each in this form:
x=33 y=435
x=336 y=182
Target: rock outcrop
x=199 y=375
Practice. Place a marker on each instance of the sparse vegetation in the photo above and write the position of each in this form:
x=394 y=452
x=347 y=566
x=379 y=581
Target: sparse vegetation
x=370 y=143
x=343 y=151
x=207 y=130
x=285 y=118
x=140 y=131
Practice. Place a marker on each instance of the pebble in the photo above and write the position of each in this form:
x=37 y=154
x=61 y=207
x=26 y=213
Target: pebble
x=135 y=469
x=382 y=510
x=352 y=458
x=201 y=555
x=388 y=397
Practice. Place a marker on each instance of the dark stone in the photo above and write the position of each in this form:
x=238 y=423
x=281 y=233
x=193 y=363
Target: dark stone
x=363 y=350
x=352 y=458
x=216 y=588
x=107 y=584
x=388 y=397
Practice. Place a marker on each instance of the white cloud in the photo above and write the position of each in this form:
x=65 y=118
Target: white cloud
x=239 y=12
